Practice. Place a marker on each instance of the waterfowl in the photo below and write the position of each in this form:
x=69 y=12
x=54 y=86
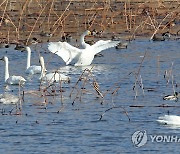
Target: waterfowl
x=158 y=38
x=20 y=47
x=173 y=97
x=169 y=120
x=7 y=98
x=66 y=38
x=31 y=69
x=12 y=80
x=85 y=56
x=4 y=45
x=122 y=45
x=51 y=77
x=45 y=34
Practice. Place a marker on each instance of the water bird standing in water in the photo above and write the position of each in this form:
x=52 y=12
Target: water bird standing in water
x=12 y=80
x=51 y=77
x=31 y=69
x=85 y=56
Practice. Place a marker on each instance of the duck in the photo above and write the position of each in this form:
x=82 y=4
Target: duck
x=173 y=97
x=85 y=56
x=66 y=38
x=169 y=120
x=51 y=77
x=20 y=47
x=31 y=69
x=122 y=45
x=45 y=34
x=8 y=98
x=158 y=38
x=4 y=45
x=11 y=80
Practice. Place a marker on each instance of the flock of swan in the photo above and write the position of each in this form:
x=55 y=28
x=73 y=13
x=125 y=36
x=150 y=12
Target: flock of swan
x=67 y=52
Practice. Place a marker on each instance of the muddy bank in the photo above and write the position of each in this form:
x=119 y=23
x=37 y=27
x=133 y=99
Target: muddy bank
x=46 y=20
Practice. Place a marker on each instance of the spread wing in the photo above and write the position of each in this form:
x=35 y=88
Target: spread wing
x=63 y=49
x=102 y=45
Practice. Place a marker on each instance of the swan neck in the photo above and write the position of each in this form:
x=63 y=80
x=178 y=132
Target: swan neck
x=82 y=40
x=43 y=68
x=28 y=59
x=6 y=70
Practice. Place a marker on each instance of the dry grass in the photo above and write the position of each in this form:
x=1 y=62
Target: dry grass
x=26 y=19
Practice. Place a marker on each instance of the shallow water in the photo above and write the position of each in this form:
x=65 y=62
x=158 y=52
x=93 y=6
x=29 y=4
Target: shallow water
x=77 y=128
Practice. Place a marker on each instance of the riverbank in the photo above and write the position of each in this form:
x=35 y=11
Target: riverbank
x=20 y=21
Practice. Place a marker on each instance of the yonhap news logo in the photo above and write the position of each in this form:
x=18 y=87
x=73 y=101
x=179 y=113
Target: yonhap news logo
x=140 y=138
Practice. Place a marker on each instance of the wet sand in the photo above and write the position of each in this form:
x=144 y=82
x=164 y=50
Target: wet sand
x=22 y=20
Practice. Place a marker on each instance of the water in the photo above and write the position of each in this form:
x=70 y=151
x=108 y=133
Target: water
x=77 y=128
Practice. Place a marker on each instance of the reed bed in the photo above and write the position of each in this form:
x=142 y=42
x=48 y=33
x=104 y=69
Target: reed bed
x=26 y=19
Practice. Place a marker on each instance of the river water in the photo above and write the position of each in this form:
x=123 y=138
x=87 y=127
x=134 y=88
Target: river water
x=78 y=127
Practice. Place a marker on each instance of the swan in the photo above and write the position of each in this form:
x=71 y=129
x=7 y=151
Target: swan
x=12 y=80
x=51 y=77
x=85 y=56
x=7 y=98
x=31 y=69
x=169 y=120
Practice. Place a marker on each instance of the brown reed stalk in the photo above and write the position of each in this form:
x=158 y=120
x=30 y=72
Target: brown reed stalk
x=126 y=16
x=59 y=19
x=36 y=23
x=4 y=12
x=20 y=18
x=51 y=8
x=160 y=25
x=115 y=107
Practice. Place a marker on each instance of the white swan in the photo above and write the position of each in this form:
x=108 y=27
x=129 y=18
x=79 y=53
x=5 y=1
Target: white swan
x=12 y=80
x=85 y=56
x=169 y=120
x=7 y=98
x=51 y=77
x=31 y=69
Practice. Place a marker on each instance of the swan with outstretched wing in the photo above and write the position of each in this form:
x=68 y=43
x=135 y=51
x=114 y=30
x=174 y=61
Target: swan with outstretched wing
x=85 y=56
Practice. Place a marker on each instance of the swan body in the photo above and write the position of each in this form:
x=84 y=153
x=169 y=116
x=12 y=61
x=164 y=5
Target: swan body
x=12 y=80
x=31 y=69
x=169 y=120
x=51 y=77
x=85 y=56
x=7 y=98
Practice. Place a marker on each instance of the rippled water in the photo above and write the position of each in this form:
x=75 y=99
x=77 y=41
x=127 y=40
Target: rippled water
x=77 y=128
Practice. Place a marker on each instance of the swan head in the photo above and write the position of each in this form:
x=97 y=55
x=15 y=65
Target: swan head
x=87 y=32
x=28 y=49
